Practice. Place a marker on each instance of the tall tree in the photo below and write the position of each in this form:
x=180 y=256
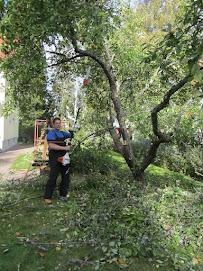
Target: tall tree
x=80 y=30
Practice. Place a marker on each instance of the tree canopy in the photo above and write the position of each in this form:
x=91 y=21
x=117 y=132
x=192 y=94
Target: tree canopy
x=132 y=82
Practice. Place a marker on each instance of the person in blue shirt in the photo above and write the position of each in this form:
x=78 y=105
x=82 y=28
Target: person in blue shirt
x=57 y=148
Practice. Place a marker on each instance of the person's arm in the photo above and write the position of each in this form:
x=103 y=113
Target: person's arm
x=59 y=148
x=69 y=135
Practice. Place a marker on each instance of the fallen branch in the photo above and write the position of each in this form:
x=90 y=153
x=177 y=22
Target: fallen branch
x=16 y=202
x=16 y=210
x=36 y=245
x=82 y=263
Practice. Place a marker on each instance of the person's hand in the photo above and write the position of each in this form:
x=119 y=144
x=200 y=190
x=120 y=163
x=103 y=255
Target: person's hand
x=67 y=148
x=71 y=134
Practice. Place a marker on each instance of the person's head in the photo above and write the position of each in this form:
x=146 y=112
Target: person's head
x=57 y=124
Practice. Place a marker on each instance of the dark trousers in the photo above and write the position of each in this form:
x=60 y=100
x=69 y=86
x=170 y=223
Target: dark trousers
x=56 y=168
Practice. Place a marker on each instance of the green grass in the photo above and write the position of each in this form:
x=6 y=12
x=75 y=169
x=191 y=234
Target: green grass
x=163 y=177
x=108 y=216
x=22 y=161
x=38 y=223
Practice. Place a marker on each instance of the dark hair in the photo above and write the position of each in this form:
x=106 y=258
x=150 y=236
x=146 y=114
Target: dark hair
x=55 y=119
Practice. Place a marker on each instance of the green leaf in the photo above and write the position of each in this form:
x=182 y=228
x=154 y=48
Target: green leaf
x=198 y=75
x=159 y=261
x=112 y=244
x=104 y=249
x=64 y=229
x=195 y=68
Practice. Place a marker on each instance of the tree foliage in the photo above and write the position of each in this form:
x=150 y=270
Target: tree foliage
x=46 y=38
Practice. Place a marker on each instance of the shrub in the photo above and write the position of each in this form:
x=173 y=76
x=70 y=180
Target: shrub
x=89 y=160
x=188 y=161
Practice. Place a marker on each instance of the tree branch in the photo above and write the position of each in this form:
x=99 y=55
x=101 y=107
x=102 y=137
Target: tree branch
x=164 y=104
x=153 y=77
x=62 y=61
x=55 y=53
x=181 y=114
x=97 y=133
x=154 y=116
x=149 y=84
x=110 y=59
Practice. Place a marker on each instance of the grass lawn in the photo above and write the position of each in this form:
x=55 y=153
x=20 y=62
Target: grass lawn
x=22 y=161
x=107 y=224
x=33 y=235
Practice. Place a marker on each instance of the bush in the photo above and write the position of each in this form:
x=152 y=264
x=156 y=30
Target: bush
x=169 y=157
x=89 y=160
x=188 y=161
x=140 y=148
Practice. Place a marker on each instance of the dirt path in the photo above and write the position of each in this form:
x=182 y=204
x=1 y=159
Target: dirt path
x=6 y=160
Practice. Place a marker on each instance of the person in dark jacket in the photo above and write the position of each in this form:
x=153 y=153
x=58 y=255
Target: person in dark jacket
x=57 y=148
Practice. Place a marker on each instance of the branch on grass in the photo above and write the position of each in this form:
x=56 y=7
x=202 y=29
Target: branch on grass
x=61 y=244
x=92 y=252
x=17 y=210
x=166 y=250
x=82 y=263
x=27 y=199
x=36 y=245
x=151 y=219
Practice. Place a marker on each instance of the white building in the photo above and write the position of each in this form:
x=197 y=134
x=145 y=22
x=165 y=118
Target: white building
x=8 y=125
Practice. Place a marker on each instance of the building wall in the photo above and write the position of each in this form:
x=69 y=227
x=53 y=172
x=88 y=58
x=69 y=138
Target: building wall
x=8 y=125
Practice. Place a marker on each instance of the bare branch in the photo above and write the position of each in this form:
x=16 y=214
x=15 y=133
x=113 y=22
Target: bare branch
x=62 y=61
x=97 y=133
x=154 y=115
x=36 y=245
x=110 y=59
x=56 y=53
x=153 y=77
x=149 y=84
x=181 y=114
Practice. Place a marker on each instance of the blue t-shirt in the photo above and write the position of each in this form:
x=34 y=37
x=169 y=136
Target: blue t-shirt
x=52 y=135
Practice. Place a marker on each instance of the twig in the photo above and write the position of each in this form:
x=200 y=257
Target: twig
x=16 y=202
x=165 y=248
x=31 y=207
x=58 y=266
x=63 y=244
x=151 y=220
x=93 y=134
x=92 y=252
x=81 y=262
x=36 y=245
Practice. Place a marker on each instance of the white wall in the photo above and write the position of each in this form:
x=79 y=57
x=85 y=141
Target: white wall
x=8 y=125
